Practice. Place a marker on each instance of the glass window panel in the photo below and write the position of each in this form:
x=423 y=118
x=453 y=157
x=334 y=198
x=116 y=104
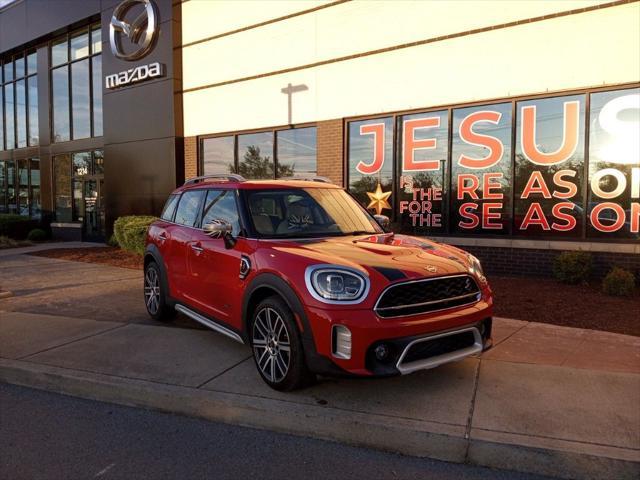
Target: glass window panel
x=423 y=168
x=19 y=66
x=62 y=180
x=549 y=167
x=82 y=164
x=3 y=187
x=221 y=204
x=370 y=165
x=59 y=52
x=97 y=95
x=481 y=169
x=2 y=147
x=217 y=155
x=614 y=156
x=34 y=135
x=60 y=89
x=78 y=201
x=80 y=97
x=98 y=159
x=96 y=39
x=296 y=152
x=8 y=71
x=32 y=63
x=255 y=155
x=21 y=114
x=36 y=201
x=8 y=117
x=189 y=207
x=23 y=187
x=170 y=208
x=79 y=45
x=11 y=187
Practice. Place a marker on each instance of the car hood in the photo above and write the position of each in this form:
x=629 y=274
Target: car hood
x=394 y=256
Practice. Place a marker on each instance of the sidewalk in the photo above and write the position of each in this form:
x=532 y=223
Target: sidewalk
x=549 y=400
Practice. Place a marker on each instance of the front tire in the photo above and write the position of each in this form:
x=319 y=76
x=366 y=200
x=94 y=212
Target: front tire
x=277 y=348
x=154 y=295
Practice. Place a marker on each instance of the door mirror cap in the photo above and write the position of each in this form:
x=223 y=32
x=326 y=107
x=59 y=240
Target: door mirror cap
x=219 y=228
x=383 y=221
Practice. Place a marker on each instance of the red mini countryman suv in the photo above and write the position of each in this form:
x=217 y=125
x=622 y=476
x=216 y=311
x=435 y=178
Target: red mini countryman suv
x=305 y=276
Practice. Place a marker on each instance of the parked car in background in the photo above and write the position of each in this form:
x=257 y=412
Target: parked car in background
x=306 y=277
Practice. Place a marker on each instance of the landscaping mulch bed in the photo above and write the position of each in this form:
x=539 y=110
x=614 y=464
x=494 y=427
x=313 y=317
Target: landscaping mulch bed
x=105 y=255
x=533 y=299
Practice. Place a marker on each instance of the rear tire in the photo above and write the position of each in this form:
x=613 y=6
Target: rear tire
x=277 y=347
x=154 y=294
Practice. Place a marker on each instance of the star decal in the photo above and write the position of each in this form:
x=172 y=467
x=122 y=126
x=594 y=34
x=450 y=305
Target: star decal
x=379 y=199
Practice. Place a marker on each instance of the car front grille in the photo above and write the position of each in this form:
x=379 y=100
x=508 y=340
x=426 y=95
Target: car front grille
x=439 y=346
x=428 y=295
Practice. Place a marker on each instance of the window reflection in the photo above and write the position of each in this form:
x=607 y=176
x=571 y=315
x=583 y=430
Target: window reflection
x=423 y=170
x=59 y=52
x=370 y=158
x=21 y=114
x=614 y=153
x=97 y=95
x=218 y=155
x=32 y=87
x=80 y=99
x=8 y=117
x=79 y=45
x=60 y=91
x=481 y=174
x=296 y=151
x=549 y=166
x=2 y=146
x=255 y=155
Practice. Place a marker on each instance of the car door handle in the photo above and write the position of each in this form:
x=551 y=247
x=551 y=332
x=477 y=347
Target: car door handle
x=162 y=236
x=196 y=248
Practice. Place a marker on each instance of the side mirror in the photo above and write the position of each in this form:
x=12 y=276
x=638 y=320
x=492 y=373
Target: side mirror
x=219 y=228
x=383 y=221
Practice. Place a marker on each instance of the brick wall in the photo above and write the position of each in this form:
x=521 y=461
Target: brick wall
x=535 y=262
x=190 y=157
x=330 y=148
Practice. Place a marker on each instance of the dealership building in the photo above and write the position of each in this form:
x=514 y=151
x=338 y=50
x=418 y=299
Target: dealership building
x=511 y=129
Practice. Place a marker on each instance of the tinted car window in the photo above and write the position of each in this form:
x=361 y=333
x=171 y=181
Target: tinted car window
x=169 y=207
x=188 y=208
x=221 y=204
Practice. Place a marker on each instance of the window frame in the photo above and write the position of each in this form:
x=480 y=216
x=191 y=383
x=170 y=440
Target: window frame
x=88 y=29
x=22 y=54
x=235 y=134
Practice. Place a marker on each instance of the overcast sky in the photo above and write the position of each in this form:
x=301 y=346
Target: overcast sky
x=5 y=2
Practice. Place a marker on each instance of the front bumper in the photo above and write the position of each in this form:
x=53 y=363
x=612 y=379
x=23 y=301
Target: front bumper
x=398 y=335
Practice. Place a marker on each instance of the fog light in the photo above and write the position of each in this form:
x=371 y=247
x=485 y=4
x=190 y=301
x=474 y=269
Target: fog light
x=341 y=342
x=382 y=352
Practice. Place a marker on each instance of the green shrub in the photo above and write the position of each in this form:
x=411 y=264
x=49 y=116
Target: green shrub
x=572 y=267
x=16 y=226
x=113 y=241
x=619 y=282
x=37 y=235
x=131 y=231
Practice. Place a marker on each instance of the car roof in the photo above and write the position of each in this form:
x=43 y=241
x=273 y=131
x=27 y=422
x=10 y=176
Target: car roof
x=237 y=182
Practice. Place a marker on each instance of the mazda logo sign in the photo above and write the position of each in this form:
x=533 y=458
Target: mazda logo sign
x=141 y=32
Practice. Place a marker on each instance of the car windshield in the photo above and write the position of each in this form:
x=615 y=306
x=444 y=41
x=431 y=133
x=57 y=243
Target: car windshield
x=308 y=212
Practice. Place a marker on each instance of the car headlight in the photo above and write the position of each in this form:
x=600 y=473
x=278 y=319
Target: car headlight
x=475 y=266
x=336 y=284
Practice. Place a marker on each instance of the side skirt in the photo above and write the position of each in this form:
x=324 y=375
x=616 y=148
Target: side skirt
x=208 y=323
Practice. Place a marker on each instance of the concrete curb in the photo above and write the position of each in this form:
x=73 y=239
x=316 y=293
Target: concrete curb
x=408 y=437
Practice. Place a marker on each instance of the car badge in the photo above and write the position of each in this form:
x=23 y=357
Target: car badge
x=431 y=268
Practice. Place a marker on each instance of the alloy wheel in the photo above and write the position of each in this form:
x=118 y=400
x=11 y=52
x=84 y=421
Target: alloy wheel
x=271 y=345
x=152 y=290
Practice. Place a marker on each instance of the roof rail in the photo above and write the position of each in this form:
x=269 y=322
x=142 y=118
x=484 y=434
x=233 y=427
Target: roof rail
x=312 y=178
x=220 y=176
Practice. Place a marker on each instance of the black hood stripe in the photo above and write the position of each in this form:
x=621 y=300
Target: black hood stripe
x=391 y=274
